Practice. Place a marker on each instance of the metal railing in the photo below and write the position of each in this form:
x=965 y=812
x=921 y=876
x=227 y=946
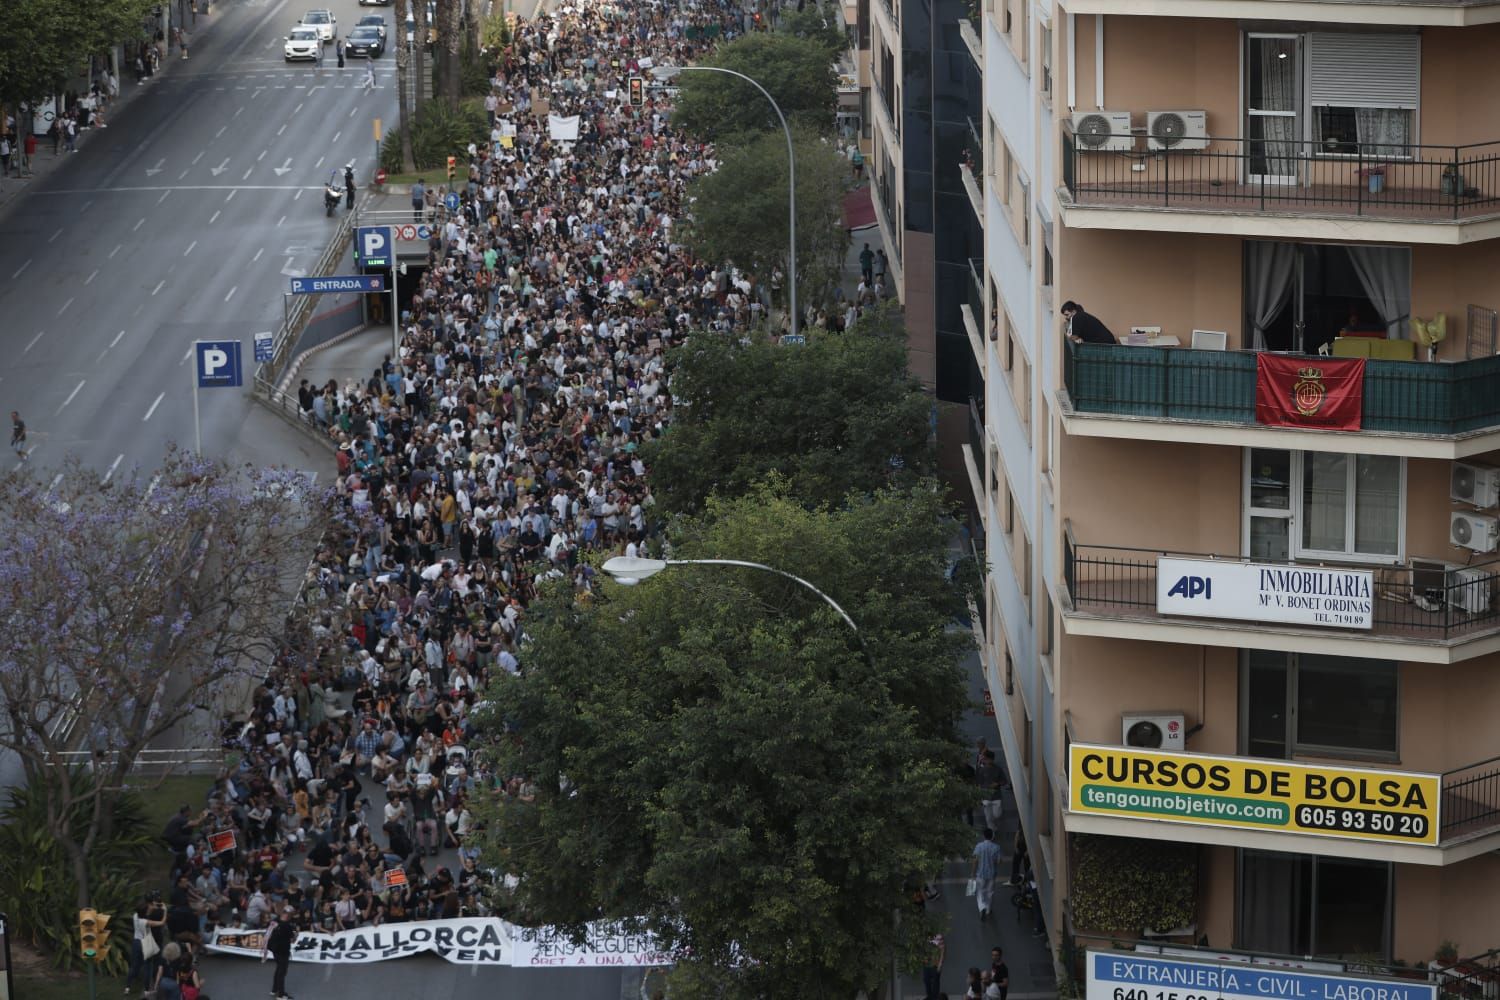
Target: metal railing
x=975 y=294
x=1406 y=181
x=299 y=309
x=1471 y=799
x=1413 y=397
x=977 y=438
x=186 y=760
x=288 y=407
x=1122 y=579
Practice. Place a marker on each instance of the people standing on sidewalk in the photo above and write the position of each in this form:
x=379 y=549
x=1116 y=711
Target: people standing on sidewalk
x=18 y=434
x=983 y=868
x=418 y=200
x=989 y=779
x=932 y=968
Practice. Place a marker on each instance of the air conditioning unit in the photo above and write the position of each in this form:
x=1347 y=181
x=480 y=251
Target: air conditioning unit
x=1477 y=485
x=1153 y=730
x=1102 y=131
x=1473 y=531
x=1469 y=589
x=1176 y=130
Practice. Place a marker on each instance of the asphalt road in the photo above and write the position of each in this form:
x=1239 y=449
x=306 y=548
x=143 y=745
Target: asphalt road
x=181 y=221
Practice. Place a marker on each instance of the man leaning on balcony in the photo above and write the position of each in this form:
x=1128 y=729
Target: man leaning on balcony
x=1085 y=328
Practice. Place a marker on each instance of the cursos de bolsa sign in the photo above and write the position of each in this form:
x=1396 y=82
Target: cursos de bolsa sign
x=1330 y=597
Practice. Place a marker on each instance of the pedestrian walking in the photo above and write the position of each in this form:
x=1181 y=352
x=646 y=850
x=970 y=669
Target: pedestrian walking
x=867 y=264
x=932 y=968
x=4 y=155
x=338 y=48
x=18 y=434
x=278 y=944
x=989 y=779
x=370 y=75
x=418 y=196
x=983 y=867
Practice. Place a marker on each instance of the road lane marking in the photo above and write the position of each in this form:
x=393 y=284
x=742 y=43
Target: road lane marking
x=90 y=278
x=351 y=112
x=298 y=108
x=257 y=255
x=112 y=343
x=28 y=263
x=281 y=220
x=247 y=174
x=186 y=356
x=230 y=197
x=184 y=174
x=164 y=196
x=320 y=162
x=158 y=286
x=231 y=293
x=59 y=478
x=55 y=235
x=65 y=307
x=242 y=107
x=281 y=130
x=220 y=132
x=262 y=156
x=38 y=336
x=76 y=388
x=190 y=248
x=153 y=407
x=297 y=195
x=138 y=225
x=213 y=218
x=198 y=157
x=112 y=467
x=117 y=249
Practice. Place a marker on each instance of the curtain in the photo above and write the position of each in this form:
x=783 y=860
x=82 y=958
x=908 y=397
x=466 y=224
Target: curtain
x=1383 y=131
x=1269 y=276
x=1278 y=85
x=1385 y=274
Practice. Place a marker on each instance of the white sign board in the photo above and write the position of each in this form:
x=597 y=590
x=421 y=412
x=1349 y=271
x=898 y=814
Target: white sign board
x=1292 y=595
x=1127 y=976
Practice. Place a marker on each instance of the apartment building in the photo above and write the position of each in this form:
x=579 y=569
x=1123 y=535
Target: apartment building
x=1243 y=590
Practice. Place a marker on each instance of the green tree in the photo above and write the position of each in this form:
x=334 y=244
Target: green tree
x=797 y=72
x=829 y=416
x=740 y=210
x=812 y=23
x=47 y=41
x=715 y=759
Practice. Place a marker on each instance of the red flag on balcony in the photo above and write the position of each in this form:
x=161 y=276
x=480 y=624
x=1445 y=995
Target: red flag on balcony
x=1309 y=392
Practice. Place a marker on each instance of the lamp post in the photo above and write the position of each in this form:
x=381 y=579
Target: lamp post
x=666 y=73
x=629 y=570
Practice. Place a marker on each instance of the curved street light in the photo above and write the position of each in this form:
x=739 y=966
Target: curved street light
x=666 y=73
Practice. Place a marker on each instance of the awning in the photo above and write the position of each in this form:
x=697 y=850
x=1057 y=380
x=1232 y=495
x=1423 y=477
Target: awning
x=859 y=210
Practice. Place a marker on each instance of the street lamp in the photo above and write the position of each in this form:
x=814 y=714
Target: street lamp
x=629 y=571
x=666 y=73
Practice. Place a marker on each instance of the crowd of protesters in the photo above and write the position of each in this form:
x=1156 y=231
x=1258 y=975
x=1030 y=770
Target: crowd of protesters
x=498 y=445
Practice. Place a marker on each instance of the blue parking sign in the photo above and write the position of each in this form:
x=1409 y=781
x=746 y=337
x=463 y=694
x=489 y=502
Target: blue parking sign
x=218 y=364
x=372 y=246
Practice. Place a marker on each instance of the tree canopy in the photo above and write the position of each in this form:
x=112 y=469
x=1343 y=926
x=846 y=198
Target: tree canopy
x=830 y=416
x=714 y=757
x=739 y=211
x=133 y=609
x=47 y=41
x=797 y=72
x=812 y=22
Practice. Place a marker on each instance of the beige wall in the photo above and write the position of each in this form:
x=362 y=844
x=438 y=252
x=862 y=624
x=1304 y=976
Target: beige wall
x=1450 y=279
x=1455 y=903
x=1454 y=110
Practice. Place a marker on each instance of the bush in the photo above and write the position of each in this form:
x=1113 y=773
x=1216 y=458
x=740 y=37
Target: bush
x=437 y=132
x=37 y=888
x=1124 y=886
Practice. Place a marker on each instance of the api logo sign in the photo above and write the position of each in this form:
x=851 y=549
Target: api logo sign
x=1193 y=586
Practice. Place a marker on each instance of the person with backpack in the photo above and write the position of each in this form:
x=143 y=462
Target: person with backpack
x=278 y=945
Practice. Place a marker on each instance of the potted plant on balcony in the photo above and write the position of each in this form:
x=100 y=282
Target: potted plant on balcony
x=1452 y=182
x=1431 y=333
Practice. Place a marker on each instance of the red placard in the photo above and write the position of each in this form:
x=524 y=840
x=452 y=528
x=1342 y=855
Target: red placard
x=1327 y=393
x=220 y=842
x=394 y=877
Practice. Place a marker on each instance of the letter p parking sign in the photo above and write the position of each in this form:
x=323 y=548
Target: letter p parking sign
x=218 y=364
x=372 y=246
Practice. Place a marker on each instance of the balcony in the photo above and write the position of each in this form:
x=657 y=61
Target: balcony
x=971 y=169
x=971 y=30
x=1112 y=591
x=1466 y=812
x=1455 y=404
x=972 y=310
x=1434 y=194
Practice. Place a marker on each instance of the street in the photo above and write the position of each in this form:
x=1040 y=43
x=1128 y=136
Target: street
x=179 y=222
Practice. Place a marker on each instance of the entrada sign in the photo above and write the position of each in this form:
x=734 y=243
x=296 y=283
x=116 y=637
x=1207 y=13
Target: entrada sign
x=1268 y=592
x=1255 y=794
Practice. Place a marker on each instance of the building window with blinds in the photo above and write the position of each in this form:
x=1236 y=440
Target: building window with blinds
x=1362 y=92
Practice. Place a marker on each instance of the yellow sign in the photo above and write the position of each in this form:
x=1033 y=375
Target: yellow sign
x=1254 y=794
x=377 y=130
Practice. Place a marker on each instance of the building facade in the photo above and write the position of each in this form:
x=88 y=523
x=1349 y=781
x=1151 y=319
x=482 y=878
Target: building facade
x=1256 y=539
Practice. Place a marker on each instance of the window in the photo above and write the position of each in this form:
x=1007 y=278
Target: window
x=1306 y=905
x=1008 y=172
x=1306 y=704
x=1362 y=92
x=1324 y=505
x=1044 y=43
x=1026 y=568
x=1046 y=635
x=1010 y=673
x=1010 y=510
x=1010 y=343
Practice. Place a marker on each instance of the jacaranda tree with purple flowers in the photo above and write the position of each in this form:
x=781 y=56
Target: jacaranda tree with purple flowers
x=136 y=612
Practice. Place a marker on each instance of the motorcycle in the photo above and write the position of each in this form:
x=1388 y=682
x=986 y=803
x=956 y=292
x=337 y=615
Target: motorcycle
x=331 y=198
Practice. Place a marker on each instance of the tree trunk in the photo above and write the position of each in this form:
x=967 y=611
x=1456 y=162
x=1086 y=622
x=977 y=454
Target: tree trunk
x=449 y=40
x=420 y=52
x=403 y=102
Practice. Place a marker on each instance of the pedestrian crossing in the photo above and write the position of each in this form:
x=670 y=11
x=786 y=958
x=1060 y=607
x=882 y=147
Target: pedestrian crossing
x=270 y=81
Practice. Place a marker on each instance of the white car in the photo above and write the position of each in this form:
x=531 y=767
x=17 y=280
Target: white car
x=324 y=21
x=303 y=43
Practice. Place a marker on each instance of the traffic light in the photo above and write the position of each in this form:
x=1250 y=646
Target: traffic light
x=93 y=934
x=637 y=91
x=452 y=167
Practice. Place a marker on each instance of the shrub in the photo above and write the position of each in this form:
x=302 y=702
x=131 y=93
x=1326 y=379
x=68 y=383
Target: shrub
x=437 y=132
x=37 y=888
x=1124 y=886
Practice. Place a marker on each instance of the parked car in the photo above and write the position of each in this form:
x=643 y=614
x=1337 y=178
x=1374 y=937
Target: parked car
x=375 y=3
x=324 y=21
x=364 y=41
x=303 y=43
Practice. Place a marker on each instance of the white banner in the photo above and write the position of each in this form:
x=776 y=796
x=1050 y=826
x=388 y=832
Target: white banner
x=466 y=940
x=605 y=944
x=563 y=129
x=1295 y=595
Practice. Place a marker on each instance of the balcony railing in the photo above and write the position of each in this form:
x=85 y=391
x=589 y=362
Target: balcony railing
x=1406 y=182
x=1415 y=397
x=1119 y=580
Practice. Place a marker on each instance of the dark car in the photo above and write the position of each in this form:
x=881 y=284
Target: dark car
x=373 y=20
x=364 y=41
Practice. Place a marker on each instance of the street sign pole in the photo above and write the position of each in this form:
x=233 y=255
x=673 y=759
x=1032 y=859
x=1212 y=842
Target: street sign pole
x=197 y=427
x=395 y=315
